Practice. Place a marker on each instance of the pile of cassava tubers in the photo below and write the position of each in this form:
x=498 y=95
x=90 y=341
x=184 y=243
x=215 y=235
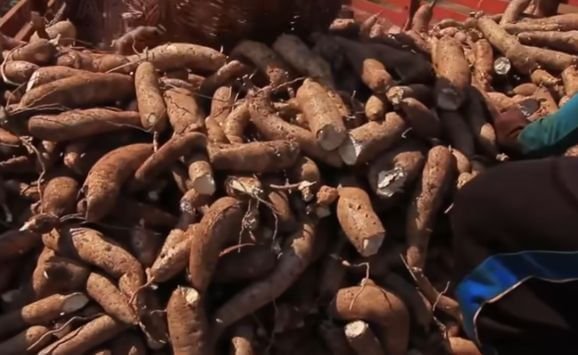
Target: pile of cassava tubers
x=276 y=199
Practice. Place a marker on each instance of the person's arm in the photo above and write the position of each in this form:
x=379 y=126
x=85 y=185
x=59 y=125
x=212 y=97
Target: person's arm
x=552 y=134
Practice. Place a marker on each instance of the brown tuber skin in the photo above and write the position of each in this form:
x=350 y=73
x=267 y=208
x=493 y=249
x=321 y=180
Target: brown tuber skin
x=26 y=342
x=393 y=172
x=181 y=55
x=104 y=181
x=87 y=336
x=197 y=203
x=265 y=59
x=424 y=121
x=56 y=274
x=188 y=325
x=184 y=112
x=152 y=109
x=562 y=41
x=80 y=91
x=273 y=127
x=236 y=122
x=359 y=221
x=294 y=260
x=41 y=312
x=305 y=170
x=366 y=142
x=220 y=225
x=484 y=132
x=168 y=154
x=422 y=17
x=245 y=264
x=223 y=76
x=438 y=175
x=375 y=108
x=380 y=308
x=39 y=52
x=18 y=72
x=526 y=89
x=58 y=199
x=372 y=71
x=453 y=74
x=257 y=157
x=570 y=78
x=298 y=54
x=507 y=44
x=322 y=115
x=174 y=254
x=93 y=248
x=77 y=124
x=104 y=292
x=514 y=11
x=483 y=64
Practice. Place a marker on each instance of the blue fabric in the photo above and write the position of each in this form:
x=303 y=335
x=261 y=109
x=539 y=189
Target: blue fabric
x=501 y=273
x=556 y=132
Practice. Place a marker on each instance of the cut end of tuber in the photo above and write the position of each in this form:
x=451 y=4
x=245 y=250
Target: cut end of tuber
x=205 y=185
x=330 y=138
x=191 y=295
x=390 y=182
x=187 y=207
x=74 y=302
x=247 y=189
x=356 y=329
x=372 y=244
x=350 y=151
x=395 y=95
x=33 y=80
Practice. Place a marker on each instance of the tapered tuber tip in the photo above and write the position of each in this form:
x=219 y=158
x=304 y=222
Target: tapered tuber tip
x=350 y=151
x=415 y=257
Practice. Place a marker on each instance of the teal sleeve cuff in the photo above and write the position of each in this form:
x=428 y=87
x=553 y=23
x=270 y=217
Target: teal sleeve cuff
x=552 y=134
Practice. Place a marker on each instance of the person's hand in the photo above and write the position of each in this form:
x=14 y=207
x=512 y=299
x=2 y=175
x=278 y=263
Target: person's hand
x=552 y=134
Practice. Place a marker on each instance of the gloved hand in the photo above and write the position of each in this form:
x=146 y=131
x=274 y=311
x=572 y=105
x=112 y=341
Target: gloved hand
x=552 y=134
